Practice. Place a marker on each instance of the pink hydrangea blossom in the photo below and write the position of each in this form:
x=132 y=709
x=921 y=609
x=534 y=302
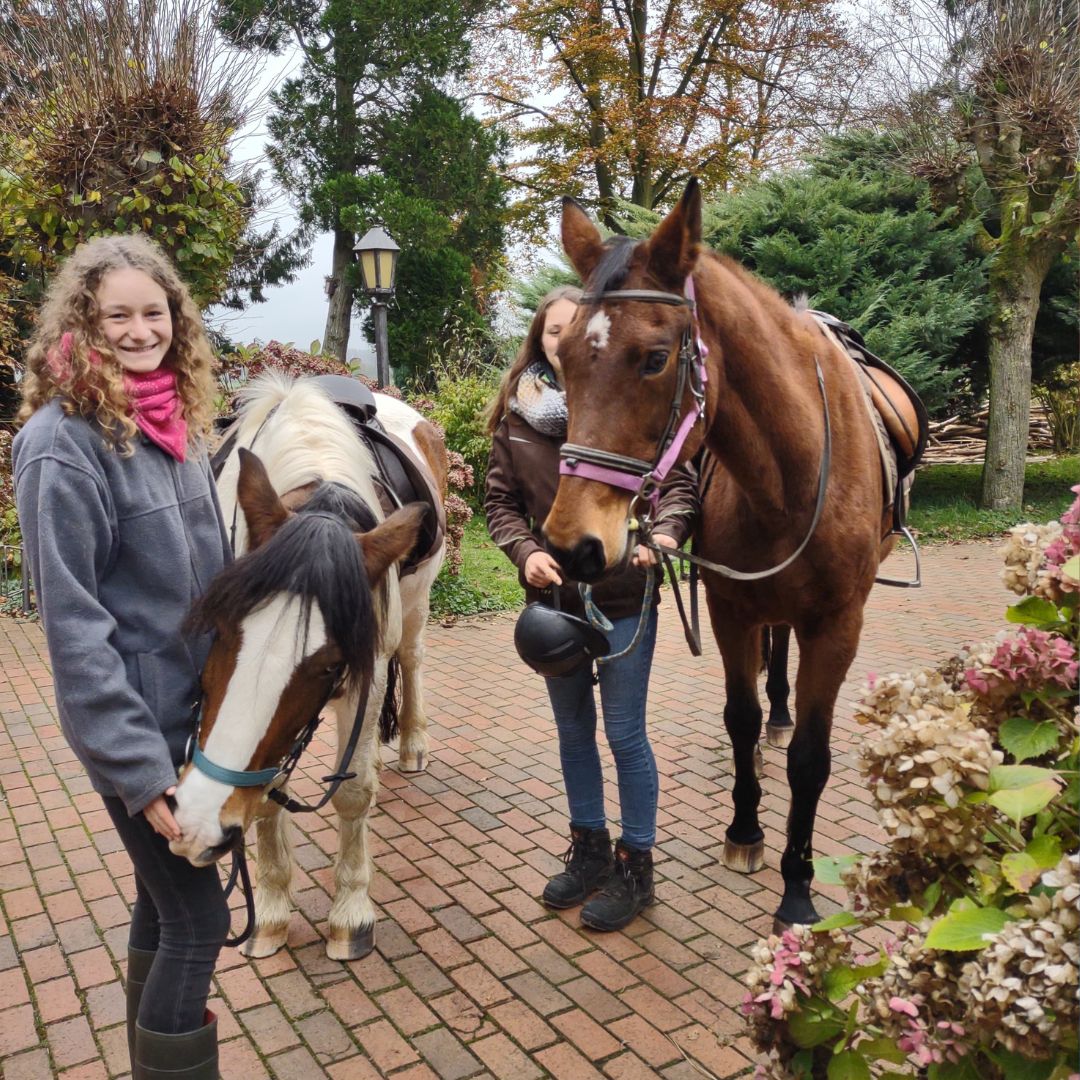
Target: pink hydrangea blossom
x=1030 y=658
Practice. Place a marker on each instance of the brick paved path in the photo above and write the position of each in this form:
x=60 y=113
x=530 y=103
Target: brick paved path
x=471 y=976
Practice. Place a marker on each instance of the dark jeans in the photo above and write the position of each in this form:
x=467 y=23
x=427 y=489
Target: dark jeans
x=181 y=914
x=624 y=688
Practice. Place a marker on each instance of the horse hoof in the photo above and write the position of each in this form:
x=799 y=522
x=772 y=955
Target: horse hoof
x=413 y=763
x=794 y=911
x=264 y=943
x=351 y=944
x=744 y=858
x=779 y=735
x=759 y=763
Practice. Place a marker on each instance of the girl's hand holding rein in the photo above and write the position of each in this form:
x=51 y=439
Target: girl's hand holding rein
x=644 y=556
x=160 y=816
x=541 y=570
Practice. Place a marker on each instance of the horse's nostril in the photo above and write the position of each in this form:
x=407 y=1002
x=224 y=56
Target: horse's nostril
x=233 y=838
x=585 y=562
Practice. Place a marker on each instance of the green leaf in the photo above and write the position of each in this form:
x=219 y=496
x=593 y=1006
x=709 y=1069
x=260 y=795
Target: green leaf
x=1021 y=871
x=840 y=981
x=1045 y=850
x=931 y=896
x=1006 y=777
x=965 y=1069
x=1026 y=738
x=827 y=867
x=809 y=1028
x=153 y=156
x=1019 y=803
x=1033 y=611
x=839 y=921
x=850 y=1065
x=882 y=1050
x=1072 y=568
x=965 y=931
x=906 y=913
x=315 y=347
x=1017 y=1067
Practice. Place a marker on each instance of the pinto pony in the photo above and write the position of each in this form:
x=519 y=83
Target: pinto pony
x=311 y=613
x=764 y=416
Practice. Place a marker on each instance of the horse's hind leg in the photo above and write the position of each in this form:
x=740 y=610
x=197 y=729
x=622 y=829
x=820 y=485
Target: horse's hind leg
x=352 y=915
x=274 y=867
x=824 y=658
x=413 y=749
x=779 y=728
x=744 y=847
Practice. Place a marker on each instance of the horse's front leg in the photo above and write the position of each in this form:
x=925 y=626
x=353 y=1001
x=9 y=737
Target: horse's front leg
x=413 y=748
x=825 y=654
x=274 y=868
x=779 y=727
x=352 y=915
x=740 y=649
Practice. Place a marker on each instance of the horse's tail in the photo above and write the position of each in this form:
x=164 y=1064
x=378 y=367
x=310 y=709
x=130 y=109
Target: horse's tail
x=388 y=718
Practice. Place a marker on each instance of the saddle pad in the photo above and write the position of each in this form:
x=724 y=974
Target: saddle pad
x=904 y=416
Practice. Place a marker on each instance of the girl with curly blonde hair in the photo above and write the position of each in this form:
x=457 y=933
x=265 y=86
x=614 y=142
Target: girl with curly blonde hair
x=122 y=531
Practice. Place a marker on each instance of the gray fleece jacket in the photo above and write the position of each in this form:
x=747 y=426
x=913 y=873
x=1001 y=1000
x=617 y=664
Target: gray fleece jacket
x=118 y=549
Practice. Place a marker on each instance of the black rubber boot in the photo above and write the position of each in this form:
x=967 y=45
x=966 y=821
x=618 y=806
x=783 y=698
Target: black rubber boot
x=629 y=890
x=139 y=962
x=191 y=1055
x=589 y=863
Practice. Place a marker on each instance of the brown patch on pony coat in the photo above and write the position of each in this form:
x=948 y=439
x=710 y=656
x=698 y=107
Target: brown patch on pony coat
x=433 y=448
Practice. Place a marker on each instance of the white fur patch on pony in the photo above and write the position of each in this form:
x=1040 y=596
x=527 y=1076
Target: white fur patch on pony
x=598 y=330
x=272 y=647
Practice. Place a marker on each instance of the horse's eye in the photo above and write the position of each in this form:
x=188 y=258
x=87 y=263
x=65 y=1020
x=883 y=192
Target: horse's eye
x=655 y=362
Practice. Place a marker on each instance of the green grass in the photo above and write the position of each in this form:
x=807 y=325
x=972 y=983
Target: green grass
x=488 y=580
x=943 y=510
x=944 y=498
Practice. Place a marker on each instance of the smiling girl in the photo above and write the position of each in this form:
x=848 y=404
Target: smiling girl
x=122 y=530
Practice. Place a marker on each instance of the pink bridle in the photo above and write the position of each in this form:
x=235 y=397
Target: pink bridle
x=640 y=477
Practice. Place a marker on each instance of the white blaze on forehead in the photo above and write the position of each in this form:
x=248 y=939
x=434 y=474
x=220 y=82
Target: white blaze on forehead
x=598 y=329
x=272 y=647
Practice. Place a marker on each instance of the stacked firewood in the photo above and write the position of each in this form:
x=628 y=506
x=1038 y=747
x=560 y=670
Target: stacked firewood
x=960 y=440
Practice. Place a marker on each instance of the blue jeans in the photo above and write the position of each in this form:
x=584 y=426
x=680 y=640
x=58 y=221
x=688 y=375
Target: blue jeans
x=624 y=687
x=180 y=914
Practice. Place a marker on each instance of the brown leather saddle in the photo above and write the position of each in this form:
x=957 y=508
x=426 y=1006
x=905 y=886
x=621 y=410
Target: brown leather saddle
x=400 y=477
x=903 y=415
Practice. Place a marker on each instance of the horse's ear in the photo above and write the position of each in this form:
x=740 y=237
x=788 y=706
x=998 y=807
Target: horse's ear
x=263 y=510
x=393 y=539
x=581 y=238
x=673 y=248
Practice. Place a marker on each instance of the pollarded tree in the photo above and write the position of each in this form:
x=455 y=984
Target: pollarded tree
x=136 y=140
x=623 y=99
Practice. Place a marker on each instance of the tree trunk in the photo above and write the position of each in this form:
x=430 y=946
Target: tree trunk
x=339 y=313
x=1015 y=283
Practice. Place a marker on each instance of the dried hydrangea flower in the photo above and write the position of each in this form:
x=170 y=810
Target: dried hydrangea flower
x=1022 y=988
x=920 y=766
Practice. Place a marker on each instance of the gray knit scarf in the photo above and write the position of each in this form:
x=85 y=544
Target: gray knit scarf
x=539 y=401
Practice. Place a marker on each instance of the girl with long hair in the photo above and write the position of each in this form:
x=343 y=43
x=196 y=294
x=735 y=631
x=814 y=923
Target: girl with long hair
x=123 y=531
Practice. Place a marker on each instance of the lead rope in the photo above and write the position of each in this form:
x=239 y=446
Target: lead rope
x=601 y=622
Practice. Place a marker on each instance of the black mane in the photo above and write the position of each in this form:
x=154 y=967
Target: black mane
x=315 y=556
x=610 y=272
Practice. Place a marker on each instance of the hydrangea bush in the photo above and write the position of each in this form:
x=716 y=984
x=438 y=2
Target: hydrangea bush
x=973 y=768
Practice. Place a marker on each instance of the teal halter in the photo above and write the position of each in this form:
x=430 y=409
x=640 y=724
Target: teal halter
x=232 y=777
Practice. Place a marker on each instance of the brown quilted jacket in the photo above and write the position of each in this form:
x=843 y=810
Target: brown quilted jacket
x=522 y=477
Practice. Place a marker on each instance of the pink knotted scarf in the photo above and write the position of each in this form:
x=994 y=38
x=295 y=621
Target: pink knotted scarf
x=157 y=409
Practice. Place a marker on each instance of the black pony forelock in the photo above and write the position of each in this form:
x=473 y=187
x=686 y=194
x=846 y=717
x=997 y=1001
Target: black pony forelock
x=316 y=557
x=610 y=272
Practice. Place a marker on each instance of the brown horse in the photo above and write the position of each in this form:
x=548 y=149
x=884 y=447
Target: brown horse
x=769 y=386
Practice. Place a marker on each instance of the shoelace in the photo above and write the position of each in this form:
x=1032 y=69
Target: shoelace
x=623 y=872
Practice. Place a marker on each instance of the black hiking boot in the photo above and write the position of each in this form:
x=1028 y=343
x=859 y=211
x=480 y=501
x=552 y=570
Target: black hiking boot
x=589 y=863
x=629 y=891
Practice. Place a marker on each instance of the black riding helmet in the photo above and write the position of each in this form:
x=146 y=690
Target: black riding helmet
x=554 y=643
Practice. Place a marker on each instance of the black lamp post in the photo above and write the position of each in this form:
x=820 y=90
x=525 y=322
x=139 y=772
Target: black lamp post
x=378 y=263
